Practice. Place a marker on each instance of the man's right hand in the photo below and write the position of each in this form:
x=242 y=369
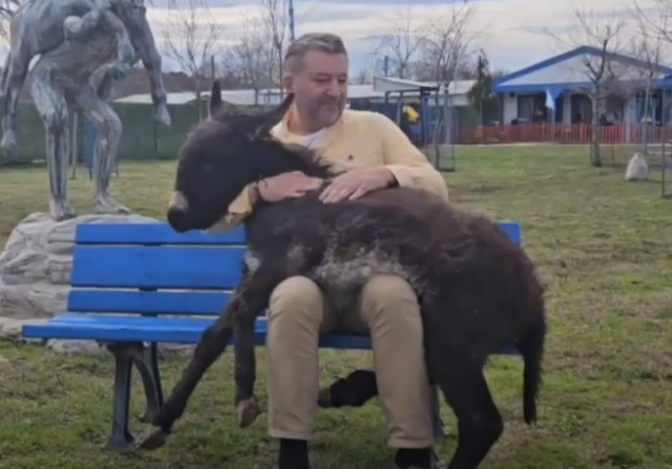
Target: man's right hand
x=286 y=185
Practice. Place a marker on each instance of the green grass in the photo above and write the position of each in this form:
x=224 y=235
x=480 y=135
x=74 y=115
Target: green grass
x=602 y=247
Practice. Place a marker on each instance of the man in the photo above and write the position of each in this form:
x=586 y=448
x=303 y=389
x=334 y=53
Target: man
x=375 y=154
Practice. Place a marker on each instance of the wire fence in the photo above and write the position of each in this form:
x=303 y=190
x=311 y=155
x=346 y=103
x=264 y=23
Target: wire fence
x=142 y=138
x=145 y=139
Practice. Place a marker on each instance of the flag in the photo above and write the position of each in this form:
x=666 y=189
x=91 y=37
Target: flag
x=550 y=102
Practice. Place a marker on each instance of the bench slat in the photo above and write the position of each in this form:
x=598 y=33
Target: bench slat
x=203 y=267
x=161 y=267
x=151 y=234
x=513 y=230
x=163 y=329
x=161 y=302
x=174 y=330
x=161 y=233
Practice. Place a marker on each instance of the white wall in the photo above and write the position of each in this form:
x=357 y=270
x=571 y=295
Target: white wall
x=511 y=108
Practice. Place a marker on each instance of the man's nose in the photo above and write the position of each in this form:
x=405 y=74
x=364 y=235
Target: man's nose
x=334 y=90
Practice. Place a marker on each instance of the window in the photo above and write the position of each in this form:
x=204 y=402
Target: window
x=654 y=111
x=532 y=107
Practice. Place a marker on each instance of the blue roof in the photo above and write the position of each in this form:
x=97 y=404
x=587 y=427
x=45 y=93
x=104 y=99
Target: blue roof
x=499 y=85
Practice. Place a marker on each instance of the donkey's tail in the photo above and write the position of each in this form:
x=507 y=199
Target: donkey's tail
x=531 y=347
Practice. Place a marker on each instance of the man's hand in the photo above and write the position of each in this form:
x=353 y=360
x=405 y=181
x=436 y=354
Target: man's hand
x=357 y=182
x=283 y=186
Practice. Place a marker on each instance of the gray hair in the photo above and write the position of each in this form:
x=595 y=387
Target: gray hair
x=320 y=42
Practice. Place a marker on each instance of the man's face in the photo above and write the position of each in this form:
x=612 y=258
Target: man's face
x=321 y=87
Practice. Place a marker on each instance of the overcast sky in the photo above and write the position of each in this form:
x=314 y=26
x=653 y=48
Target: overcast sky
x=508 y=30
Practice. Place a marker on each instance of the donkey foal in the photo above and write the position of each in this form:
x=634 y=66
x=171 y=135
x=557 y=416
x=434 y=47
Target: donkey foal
x=477 y=290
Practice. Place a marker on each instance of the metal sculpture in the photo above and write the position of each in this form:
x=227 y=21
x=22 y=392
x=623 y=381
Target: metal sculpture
x=74 y=39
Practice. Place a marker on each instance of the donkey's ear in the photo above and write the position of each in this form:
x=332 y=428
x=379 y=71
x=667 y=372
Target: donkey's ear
x=215 y=98
x=268 y=119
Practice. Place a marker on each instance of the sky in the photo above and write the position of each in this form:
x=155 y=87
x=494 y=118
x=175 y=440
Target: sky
x=509 y=31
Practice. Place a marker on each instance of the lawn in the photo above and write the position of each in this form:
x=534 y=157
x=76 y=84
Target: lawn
x=602 y=246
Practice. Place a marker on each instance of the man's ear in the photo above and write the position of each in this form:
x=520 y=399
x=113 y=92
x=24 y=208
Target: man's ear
x=288 y=84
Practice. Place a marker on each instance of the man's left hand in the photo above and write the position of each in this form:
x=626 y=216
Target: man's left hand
x=355 y=183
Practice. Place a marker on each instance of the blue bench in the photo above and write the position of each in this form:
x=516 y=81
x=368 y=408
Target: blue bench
x=132 y=286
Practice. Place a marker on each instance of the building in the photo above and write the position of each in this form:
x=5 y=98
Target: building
x=396 y=89
x=559 y=90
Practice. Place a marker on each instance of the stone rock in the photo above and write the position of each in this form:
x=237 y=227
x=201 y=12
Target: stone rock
x=638 y=168
x=35 y=272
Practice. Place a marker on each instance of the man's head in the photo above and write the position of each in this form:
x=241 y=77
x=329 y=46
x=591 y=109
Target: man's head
x=316 y=71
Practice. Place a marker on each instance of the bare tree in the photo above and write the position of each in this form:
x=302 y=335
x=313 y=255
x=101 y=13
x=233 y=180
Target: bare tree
x=7 y=9
x=648 y=43
x=446 y=48
x=402 y=40
x=191 y=38
x=603 y=32
x=275 y=20
x=362 y=77
x=252 y=57
x=655 y=18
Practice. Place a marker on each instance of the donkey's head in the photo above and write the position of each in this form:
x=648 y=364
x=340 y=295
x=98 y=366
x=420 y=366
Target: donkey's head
x=221 y=156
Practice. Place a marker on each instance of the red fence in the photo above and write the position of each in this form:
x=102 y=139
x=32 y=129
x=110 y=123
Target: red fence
x=562 y=133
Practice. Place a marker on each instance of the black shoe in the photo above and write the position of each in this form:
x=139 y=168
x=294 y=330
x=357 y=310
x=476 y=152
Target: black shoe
x=415 y=458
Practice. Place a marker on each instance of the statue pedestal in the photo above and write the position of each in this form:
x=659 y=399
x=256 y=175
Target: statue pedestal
x=35 y=273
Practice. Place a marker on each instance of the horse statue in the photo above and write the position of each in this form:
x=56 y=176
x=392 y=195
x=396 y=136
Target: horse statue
x=74 y=39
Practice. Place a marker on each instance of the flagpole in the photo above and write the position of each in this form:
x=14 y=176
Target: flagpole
x=292 y=33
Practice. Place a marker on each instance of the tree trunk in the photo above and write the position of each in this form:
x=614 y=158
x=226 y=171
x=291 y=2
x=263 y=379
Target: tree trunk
x=595 y=157
x=644 y=126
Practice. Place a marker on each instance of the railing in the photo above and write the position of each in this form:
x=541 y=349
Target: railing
x=562 y=133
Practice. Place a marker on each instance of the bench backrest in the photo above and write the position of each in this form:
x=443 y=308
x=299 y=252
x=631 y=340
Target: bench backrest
x=148 y=268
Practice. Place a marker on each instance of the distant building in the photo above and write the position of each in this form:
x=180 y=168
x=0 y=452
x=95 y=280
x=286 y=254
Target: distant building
x=375 y=93
x=559 y=90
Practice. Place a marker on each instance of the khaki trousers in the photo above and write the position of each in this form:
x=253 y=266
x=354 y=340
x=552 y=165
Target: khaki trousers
x=389 y=311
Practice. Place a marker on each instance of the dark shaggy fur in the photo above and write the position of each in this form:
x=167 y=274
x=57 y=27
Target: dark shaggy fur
x=478 y=291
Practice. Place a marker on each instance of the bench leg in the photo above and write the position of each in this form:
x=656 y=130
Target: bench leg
x=440 y=430
x=127 y=355
x=147 y=364
x=121 y=439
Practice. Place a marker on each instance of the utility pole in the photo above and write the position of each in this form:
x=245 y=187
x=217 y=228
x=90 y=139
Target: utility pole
x=292 y=33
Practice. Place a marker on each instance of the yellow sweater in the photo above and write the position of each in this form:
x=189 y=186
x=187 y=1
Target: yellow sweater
x=359 y=138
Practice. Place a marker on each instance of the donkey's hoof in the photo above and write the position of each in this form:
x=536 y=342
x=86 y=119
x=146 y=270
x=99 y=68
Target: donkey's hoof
x=324 y=398
x=248 y=411
x=154 y=441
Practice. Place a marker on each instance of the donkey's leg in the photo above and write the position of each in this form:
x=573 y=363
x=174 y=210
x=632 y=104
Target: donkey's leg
x=465 y=389
x=259 y=287
x=212 y=344
x=52 y=107
x=247 y=405
x=354 y=390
